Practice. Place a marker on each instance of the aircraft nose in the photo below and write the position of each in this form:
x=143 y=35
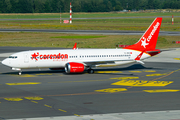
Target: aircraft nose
x=5 y=62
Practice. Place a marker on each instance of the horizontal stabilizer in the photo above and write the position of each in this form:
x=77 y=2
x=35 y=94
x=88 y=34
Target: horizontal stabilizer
x=138 y=61
x=138 y=58
x=154 y=52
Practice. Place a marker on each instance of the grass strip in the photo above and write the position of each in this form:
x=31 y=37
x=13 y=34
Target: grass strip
x=88 y=15
x=28 y=39
x=77 y=37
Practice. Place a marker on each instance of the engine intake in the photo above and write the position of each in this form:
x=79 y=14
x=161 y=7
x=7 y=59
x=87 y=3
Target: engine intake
x=73 y=67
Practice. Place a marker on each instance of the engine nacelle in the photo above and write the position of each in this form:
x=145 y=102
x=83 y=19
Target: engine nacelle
x=73 y=67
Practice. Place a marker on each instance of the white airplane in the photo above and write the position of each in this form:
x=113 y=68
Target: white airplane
x=77 y=60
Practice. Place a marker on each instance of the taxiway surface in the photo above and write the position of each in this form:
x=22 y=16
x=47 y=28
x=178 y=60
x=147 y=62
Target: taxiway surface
x=130 y=88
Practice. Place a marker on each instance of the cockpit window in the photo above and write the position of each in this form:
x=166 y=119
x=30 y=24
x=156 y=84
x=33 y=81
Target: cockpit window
x=13 y=57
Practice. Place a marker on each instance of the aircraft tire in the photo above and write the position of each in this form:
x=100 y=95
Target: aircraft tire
x=90 y=71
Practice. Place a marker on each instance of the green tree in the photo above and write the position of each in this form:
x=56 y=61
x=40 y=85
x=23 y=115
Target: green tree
x=77 y=5
x=39 y=6
x=23 y=6
x=47 y=6
x=8 y=6
x=116 y=4
x=1 y=6
x=108 y=5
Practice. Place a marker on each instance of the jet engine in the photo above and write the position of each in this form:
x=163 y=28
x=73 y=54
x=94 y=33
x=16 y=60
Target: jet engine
x=73 y=67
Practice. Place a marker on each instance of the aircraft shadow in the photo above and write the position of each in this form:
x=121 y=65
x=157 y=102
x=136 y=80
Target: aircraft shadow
x=131 y=67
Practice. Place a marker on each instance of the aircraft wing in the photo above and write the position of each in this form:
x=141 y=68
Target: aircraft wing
x=108 y=62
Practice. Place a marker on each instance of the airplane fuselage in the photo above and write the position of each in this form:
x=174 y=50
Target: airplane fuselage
x=58 y=58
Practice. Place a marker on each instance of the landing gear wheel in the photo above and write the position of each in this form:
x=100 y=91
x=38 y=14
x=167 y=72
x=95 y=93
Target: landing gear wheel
x=19 y=73
x=90 y=71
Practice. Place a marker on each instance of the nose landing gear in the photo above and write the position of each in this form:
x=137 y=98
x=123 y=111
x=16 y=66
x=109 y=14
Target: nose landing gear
x=20 y=72
x=17 y=69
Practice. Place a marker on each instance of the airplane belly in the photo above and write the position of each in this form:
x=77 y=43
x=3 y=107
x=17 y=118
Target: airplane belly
x=116 y=63
x=123 y=62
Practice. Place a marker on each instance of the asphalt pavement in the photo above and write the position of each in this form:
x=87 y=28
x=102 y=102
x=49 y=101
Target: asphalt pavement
x=129 y=92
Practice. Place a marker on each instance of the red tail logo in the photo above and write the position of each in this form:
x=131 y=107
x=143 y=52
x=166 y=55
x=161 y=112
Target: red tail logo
x=149 y=39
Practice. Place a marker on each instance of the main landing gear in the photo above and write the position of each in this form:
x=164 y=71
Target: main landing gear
x=90 y=71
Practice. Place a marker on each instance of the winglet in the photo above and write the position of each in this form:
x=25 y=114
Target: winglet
x=138 y=58
x=75 y=46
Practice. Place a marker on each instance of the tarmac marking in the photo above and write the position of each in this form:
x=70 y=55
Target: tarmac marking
x=124 y=78
x=136 y=71
x=149 y=71
x=25 y=83
x=13 y=99
x=34 y=101
x=166 y=75
x=160 y=91
x=83 y=81
x=59 y=109
x=142 y=83
x=90 y=93
x=34 y=98
x=111 y=90
x=108 y=72
x=62 y=110
x=40 y=98
x=157 y=74
x=27 y=75
x=23 y=75
x=48 y=106
x=155 y=80
x=78 y=94
x=44 y=74
x=177 y=58
x=77 y=115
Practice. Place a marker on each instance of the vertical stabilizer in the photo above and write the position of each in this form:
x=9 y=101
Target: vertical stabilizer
x=149 y=39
